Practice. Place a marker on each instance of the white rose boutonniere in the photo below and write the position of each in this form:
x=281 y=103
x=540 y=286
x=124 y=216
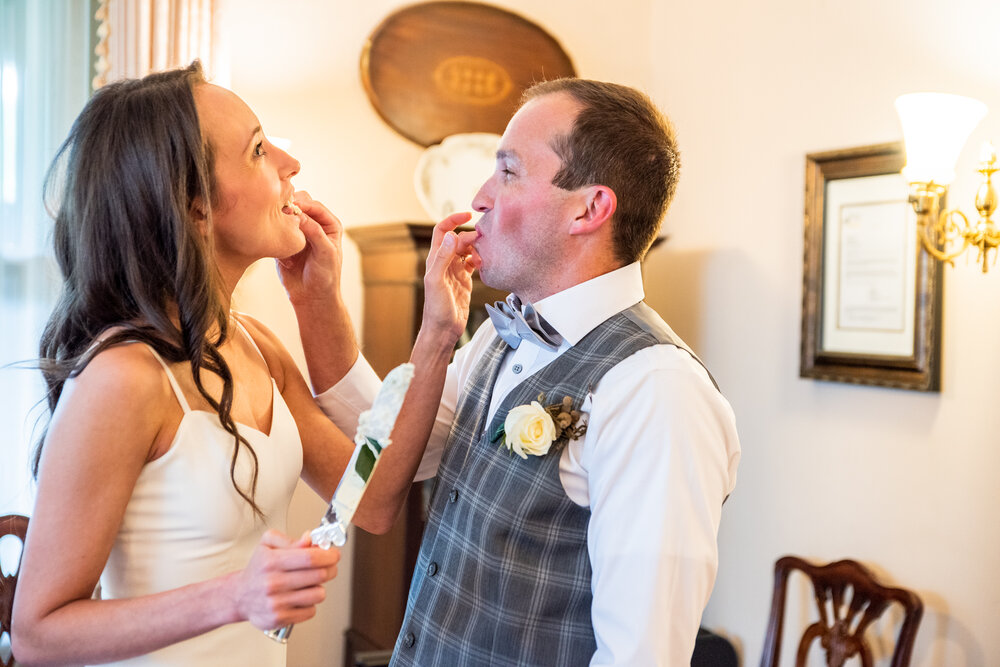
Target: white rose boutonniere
x=531 y=430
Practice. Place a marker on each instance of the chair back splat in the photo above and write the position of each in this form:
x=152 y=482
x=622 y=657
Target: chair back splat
x=11 y=526
x=849 y=600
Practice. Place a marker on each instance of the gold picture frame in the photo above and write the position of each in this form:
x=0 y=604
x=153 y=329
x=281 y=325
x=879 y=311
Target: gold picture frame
x=871 y=298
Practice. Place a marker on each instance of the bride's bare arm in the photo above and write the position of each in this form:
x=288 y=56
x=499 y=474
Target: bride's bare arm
x=109 y=422
x=326 y=450
x=312 y=280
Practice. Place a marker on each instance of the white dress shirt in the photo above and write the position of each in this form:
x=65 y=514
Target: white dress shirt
x=658 y=459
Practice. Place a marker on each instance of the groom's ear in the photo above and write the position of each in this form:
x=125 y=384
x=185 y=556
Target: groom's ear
x=599 y=203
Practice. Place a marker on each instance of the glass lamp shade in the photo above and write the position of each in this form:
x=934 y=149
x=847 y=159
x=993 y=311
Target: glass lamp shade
x=935 y=128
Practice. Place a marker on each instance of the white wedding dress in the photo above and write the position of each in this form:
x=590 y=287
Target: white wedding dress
x=186 y=523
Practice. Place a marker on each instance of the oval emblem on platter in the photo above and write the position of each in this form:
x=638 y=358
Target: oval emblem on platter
x=435 y=69
x=472 y=80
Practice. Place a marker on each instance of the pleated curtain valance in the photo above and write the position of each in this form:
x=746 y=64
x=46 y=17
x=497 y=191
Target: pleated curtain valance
x=136 y=37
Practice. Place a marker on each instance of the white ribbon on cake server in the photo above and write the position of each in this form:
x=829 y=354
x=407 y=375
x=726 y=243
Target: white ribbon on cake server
x=374 y=428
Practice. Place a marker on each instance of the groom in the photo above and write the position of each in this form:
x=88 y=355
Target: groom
x=582 y=452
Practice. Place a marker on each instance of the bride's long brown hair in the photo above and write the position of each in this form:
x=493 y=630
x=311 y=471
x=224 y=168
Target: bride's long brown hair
x=127 y=182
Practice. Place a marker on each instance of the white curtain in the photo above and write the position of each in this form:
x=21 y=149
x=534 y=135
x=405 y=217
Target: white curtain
x=42 y=89
x=142 y=36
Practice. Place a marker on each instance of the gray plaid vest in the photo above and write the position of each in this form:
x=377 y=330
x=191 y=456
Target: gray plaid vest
x=503 y=575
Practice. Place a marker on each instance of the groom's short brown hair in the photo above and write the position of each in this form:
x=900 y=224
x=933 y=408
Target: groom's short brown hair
x=621 y=140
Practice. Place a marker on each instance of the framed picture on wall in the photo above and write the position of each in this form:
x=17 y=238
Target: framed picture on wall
x=871 y=298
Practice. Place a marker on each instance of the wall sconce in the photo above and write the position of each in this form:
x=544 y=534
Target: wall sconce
x=935 y=128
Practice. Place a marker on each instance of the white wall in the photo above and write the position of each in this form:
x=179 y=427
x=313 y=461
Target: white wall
x=899 y=480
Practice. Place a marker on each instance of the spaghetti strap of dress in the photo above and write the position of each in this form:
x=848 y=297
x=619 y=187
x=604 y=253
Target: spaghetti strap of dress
x=173 y=381
x=249 y=337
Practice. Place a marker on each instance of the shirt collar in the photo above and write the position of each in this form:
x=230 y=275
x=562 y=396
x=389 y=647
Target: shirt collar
x=576 y=311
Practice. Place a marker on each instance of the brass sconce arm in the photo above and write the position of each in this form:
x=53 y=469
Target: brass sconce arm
x=946 y=234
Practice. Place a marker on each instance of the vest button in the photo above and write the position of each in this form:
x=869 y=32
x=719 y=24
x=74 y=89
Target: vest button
x=517 y=368
x=432 y=569
x=453 y=496
x=409 y=640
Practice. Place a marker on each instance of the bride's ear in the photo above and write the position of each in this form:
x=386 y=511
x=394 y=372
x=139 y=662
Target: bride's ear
x=199 y=213
x=600 y=203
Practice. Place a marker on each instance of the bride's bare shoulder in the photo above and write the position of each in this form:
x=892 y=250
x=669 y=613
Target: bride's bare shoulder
x=123 y=373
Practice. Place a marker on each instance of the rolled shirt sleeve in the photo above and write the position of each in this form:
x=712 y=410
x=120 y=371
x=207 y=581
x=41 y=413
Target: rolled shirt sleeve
x=355 y=393
x=344 y=402
x=660 y=457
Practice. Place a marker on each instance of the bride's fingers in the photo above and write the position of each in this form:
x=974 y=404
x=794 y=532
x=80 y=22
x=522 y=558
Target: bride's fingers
x=445 y=227
x=444 y=254
x=470 y=256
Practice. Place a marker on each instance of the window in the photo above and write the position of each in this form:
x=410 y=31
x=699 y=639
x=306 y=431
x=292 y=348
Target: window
x=45 y=65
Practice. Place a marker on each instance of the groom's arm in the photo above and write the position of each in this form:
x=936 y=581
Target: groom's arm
x=329 y=343
x=662 y=460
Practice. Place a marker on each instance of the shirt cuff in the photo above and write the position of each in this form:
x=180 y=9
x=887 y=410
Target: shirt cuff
x=344 y=402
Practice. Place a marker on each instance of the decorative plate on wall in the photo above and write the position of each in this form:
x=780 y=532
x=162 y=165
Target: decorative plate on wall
x=441 y=68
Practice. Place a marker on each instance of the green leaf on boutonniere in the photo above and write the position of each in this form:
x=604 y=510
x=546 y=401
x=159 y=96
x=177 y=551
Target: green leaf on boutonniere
x=497 y=434
x=373 y=443
x=365 y=463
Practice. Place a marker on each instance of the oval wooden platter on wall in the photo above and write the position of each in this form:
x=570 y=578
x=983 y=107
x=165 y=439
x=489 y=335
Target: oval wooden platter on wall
x=440 y=68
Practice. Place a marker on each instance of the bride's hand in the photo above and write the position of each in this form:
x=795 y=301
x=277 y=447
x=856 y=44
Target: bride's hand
x=283 y=582
x=451 y=261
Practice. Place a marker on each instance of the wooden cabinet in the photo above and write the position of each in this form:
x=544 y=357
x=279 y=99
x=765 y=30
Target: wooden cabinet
x=392 y=268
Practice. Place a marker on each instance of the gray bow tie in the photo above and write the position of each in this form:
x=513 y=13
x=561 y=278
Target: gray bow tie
x=513 y=326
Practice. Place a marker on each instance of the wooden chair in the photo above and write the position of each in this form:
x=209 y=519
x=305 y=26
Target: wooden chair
x=843 y=622
x=17 y=526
